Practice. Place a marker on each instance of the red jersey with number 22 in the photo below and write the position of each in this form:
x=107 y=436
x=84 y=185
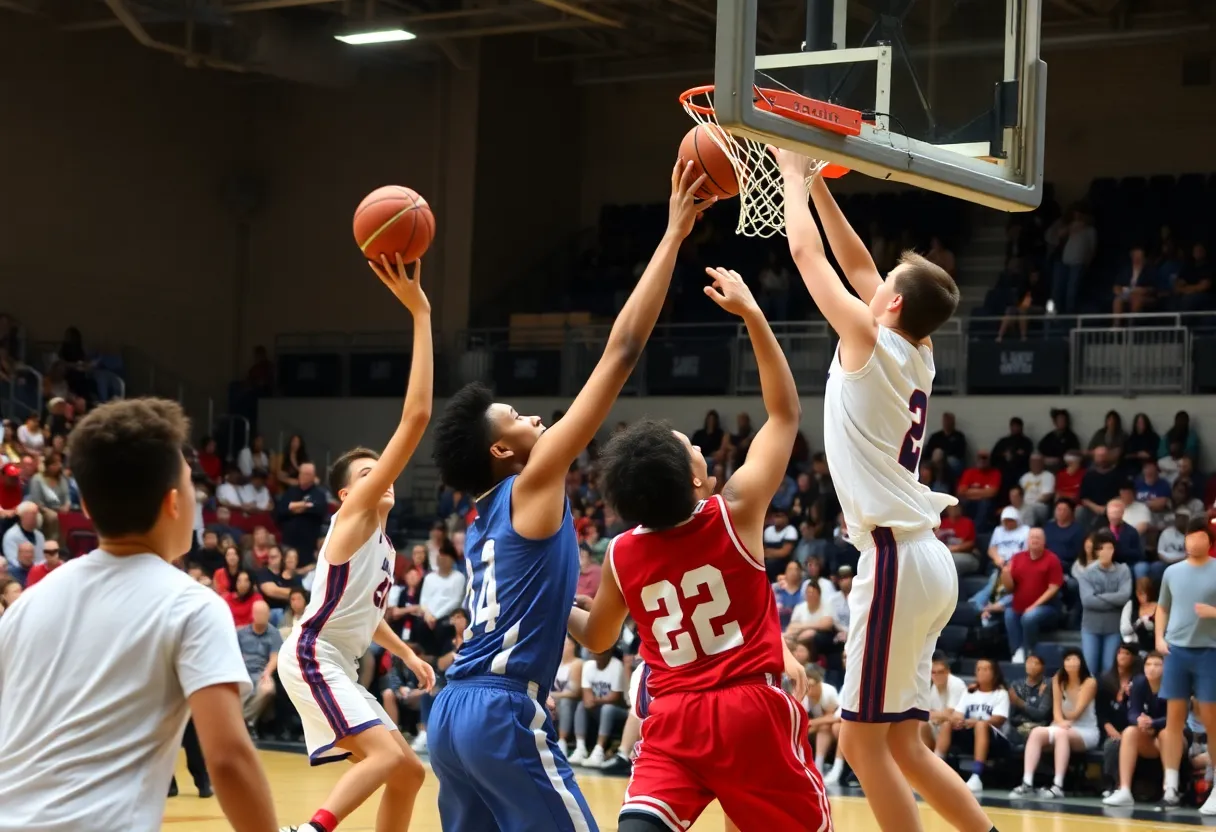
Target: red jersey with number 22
x=704 y=608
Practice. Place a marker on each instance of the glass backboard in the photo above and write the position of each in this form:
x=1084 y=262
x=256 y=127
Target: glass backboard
x=951 y=93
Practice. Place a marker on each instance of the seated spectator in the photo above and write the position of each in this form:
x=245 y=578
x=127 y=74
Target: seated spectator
x=603 y=704
x=255 y=494
x=811 y=622
x=1136 y=285
x=1128 y=547
x=21 y=570
x=52 y=562
x=434 y=544
x=708 y=438
x=442 y=594
x=1135 y=513
x=937 y=474
x=31 y=436
x=978 y=489
x=275 y=582
x=588 y=572
x=958 y=533
x=1065 y=536
x=223 y=525
x=978 y=720
x=1192 y=290
x=400 y=694
x=1110 y=436
x=1114 y=686
x=1011 y=453
x=1070 y=477
x=951 y=442
x=1034 y=578
x=25 y=530
x=1029 y=700
x=1105 y=587
x=822 y=703
x=302 y=512
x=297 y=604
x=1141 y=445
x=1170 y=462
x=1039 y=488
x=10 y=591
x=261 y=545
x=49 y=491
x=420 y=558
x=779 y=541
x=286 y=465
x=224 y=578
x=260 y=643
x=814 y=572
x=945 y=692
x=594 y=540
x=567 y=692
x=208 y=556
x=1074 y=726
x=241 y=598
x=1171 y=545
x=12 y=493
x=1146 y=711
x=1182 y=499
x=1029 y=297
x=1056 y=444
x=1181 y=434
x=228 y=493
x=1099 y=486
x=787 y=589
x=1007 y=539
x=210 y=461
x=1137 y=622
x=404 y=613
x=253 y=458
x=1152 y=490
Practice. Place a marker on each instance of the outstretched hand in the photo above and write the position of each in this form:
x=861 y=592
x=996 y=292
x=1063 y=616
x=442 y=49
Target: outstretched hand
x=794 y=165
x=730 y=292
x=684 y=207
x=407 y=287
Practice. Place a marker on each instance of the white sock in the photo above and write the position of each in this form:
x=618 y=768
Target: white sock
x=1171 y=778
x=1059 y=781
x=581 y=746
x=819 y=762
x=838 y=763
x=1028 y=779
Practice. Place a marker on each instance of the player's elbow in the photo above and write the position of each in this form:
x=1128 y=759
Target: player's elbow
x=599 y=642
x=625 y=351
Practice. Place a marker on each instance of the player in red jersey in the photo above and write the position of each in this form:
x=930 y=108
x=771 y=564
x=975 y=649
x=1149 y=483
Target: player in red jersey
x=720 y=725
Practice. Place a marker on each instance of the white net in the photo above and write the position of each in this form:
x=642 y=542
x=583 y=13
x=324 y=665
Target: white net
x=761 y=185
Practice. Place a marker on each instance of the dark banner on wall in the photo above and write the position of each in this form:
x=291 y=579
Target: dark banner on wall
x=688 y=366
x=1204 y=362
x=310 y=374
x=527 y=372
x=1017 y=366
x=379 y=373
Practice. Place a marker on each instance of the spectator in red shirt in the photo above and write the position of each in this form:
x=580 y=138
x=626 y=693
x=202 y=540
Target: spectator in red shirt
x=242 y=599
x=588 y=572
x=1068 y=480
x=224 y=579
x=958 y=533
x=977 y=490
x=1034 y=577
x=11 y=491
x=40 y=570
x=209 y=461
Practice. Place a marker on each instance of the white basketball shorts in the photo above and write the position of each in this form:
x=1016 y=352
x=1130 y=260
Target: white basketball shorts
x=324 y=687
x=903 y=595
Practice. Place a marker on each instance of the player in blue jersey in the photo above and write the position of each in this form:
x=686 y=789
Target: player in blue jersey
x=491 y=742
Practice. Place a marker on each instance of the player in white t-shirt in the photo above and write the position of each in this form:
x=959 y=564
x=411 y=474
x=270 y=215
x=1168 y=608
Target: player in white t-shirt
x=103 y=661
x=978 y=720
x=318 y=661
x=823 y=707
x=875 y=412
x=945 y=692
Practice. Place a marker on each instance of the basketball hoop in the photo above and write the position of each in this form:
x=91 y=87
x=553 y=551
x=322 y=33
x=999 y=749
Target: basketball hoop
x=761 y=186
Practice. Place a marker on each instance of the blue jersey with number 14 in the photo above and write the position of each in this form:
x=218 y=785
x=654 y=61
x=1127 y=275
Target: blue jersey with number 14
x=520 y=592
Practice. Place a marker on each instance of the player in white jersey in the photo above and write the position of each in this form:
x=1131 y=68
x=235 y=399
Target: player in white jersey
x=102 y=662
x=875 y=413
x=346 y=614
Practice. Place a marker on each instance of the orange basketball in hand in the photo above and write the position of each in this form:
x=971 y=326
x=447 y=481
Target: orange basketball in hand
x=702 y=145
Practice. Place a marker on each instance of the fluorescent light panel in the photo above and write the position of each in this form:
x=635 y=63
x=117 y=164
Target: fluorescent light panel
x=381 y=36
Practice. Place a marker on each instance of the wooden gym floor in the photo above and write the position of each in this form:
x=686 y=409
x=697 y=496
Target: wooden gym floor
x=298 y=789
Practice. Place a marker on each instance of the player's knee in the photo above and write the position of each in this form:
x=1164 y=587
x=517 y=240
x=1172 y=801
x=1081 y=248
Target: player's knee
x=981 y=728
x=407 y=771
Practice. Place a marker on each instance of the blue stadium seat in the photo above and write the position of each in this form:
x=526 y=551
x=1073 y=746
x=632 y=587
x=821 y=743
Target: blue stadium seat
x=965 y=615
x=970 y=585
x=1051 y=653
x=952 y=640
x=966 y=667
x=1013 y=671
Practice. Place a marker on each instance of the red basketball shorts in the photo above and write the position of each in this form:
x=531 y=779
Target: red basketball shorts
x=745 y=745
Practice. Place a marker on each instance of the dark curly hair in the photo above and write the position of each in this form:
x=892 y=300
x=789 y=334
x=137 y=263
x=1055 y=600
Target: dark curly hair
x=462 y=441
x=646 y=476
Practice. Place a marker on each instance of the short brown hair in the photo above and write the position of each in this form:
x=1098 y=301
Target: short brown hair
x=126 y=456
x=930 y=295
x=339 y=472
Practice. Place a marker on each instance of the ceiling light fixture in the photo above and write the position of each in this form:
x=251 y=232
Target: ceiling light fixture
x=380 y=36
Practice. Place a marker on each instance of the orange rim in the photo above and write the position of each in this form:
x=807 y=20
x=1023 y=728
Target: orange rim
x=791 y=105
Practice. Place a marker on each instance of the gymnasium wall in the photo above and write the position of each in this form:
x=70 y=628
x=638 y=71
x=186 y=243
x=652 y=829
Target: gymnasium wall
x=1114 y=112
x=337 y=424
x=110 y=189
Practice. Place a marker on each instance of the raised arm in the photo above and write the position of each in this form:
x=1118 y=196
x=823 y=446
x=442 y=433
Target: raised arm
x=749 y=492
x=365 y=494
x=851 y=253
x=538 y=508
x=850 y=317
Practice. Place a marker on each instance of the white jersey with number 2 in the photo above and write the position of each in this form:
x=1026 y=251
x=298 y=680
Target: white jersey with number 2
x=874 y=424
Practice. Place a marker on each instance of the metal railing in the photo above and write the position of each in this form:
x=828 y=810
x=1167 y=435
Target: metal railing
x=24 y=393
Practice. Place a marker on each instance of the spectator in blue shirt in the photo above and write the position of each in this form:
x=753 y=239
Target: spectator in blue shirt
x=1064 y=534
x=1146 y=717
x=788 y=589
x=1151 y=489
